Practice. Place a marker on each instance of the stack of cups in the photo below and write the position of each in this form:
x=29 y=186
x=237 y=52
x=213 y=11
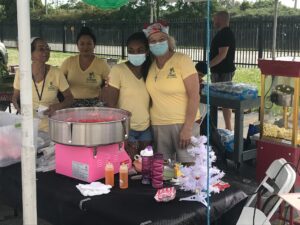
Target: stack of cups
x=157 y=170
x=147 y=156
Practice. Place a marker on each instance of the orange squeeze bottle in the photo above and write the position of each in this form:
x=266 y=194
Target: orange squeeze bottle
x=109 y=174
x=123 y=176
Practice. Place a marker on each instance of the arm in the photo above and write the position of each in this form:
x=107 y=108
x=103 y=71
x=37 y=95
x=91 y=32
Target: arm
x=64 y=67
x=105 y=78
x=68 y=101
x=191 y=84
x=15 y=99
x=220 y=57
x=110 y=96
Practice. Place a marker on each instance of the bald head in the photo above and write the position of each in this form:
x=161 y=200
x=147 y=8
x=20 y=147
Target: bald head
x=221 y=19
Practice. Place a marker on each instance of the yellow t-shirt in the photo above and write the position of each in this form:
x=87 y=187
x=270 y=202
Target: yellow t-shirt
x=54 y=82
x=167 y=90
x=133 y=95
x=85 y=84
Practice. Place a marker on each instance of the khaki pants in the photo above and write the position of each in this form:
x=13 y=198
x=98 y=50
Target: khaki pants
x=166 y=141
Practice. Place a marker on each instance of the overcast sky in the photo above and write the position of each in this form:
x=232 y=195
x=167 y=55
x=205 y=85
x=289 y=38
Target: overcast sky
x=289 y=3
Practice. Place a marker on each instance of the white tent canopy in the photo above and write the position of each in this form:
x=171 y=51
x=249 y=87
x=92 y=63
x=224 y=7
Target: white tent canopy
x=28 y=149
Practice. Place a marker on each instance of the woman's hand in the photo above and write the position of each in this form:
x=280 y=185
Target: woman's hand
x=185 y=136
x=52 y=108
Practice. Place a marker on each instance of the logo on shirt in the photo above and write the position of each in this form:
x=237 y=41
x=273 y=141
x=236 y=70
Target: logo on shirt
x=91 y=78
x=172 y=73
x=51 y=87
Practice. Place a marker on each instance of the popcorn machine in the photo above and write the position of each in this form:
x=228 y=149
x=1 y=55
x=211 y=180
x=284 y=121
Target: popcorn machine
x=279 y=113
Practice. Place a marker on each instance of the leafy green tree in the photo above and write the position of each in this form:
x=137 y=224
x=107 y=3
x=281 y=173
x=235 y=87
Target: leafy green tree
x=245 y=5
x=264 y=4
x=9 y=8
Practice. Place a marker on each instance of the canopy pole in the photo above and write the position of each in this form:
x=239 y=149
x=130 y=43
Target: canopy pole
x=28 y=150
x=151 y=11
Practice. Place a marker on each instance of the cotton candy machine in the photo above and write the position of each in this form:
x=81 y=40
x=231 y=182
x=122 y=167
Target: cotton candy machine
x=87 y=138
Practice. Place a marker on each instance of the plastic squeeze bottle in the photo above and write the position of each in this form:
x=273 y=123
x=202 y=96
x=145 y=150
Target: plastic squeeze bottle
x=109 y=174
x=123 y=176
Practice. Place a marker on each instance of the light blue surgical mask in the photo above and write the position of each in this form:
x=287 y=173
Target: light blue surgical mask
x=137 y=59
x=159 y=48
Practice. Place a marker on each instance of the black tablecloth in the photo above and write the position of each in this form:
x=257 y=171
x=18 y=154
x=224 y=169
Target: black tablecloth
x=58 y=202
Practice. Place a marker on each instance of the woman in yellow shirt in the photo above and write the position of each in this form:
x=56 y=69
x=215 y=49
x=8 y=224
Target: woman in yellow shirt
x=47 y=81
x=85 y=72
x=127 y=90
x=173 y=85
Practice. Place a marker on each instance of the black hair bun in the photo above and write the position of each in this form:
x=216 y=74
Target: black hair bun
x=86 y=31
x=201 y=67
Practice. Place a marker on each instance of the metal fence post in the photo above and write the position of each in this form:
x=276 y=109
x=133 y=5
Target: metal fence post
x=41 y=30
x=260 y=40
x=123 y=38
x=1 y=31
x=64 y=37
x=204 y=41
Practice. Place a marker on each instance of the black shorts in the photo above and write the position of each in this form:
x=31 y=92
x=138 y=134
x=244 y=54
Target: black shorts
x=221 y=77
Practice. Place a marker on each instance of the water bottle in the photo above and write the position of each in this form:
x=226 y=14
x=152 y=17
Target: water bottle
x=157 y=170
x=147 y=155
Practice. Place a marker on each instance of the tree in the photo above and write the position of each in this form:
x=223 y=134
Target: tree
x=227 y=3
x=245 y=5
x=9 y=8
x=263 y=4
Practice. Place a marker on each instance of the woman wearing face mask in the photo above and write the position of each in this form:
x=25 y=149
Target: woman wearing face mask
x=85 y=72
x=127 y=90
x=173 y=85
x=46 y=82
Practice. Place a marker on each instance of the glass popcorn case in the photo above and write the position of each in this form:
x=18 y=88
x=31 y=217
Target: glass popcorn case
x=279 y=113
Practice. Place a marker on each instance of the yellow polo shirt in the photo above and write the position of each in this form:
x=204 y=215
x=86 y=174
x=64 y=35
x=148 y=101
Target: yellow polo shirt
x=167 y=90
x=85 y=84
x=54 y=82
x=133 y=95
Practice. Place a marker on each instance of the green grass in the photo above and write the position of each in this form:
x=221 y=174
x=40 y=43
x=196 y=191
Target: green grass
x=56 y=58
x=248 y=76
x=242 y=75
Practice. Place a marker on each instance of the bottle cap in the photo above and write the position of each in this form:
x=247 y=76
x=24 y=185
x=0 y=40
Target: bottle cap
x=148 y=151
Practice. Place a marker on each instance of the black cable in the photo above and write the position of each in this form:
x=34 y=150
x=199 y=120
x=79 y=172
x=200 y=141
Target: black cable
x=253 y=219
x=296 y=168
x=285 y=215
x=267 y=201
x=259 y=191
x=268 y=93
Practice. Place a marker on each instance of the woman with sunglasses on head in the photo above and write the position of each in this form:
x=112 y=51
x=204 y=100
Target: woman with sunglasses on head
x=127 y=90
x=173 y=85
x=85 y=72
x=47 y=81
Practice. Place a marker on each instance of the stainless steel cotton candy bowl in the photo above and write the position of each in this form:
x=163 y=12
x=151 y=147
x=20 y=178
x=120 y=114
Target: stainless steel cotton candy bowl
x=89 y=126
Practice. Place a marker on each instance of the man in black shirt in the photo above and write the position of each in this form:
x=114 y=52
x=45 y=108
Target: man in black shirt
x=222 y=52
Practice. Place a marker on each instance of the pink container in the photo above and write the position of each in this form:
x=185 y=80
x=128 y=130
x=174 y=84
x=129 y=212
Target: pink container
x=88 y=164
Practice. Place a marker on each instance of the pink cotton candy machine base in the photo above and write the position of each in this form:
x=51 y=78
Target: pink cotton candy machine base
x=87 y=138
x=87 y=164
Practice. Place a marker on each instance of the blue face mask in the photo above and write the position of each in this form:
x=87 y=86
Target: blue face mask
x=159 y=48
x=137 y=59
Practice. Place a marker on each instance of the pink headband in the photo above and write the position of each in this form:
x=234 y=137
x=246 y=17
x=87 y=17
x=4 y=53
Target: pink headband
x=156 y=27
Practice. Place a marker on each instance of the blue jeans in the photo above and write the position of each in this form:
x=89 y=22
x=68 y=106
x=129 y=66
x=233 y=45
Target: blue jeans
x=145 y=135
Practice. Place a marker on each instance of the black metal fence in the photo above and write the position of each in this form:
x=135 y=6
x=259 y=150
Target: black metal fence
x=253 y=37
